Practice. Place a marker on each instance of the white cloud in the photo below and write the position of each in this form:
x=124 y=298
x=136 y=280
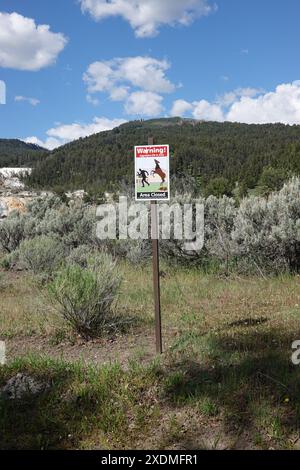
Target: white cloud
x=98 y=76
x=63 y=134
x=147 y=16
x=251 y=106
x=119 y=93
x=48 y=143
x=207 y=111
x=115 y=76
x=94 y=101
x=32 y=101
x=180 y=108
x=27 y=46
x=137 y=81
x=231 y=97
x=281 y=105
x=144 y=103
x=201 y=110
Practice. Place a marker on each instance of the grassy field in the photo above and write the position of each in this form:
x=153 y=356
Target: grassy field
x=154 y=187
x=225 y=380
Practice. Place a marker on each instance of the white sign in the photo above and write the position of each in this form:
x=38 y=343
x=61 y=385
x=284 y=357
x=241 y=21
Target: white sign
x=152 y=173
x=2 y=92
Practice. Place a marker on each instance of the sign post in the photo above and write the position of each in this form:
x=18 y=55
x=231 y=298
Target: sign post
x=152 y=183
x=156 y=276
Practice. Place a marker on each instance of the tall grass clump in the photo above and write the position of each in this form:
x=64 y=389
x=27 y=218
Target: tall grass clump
x=86 y=296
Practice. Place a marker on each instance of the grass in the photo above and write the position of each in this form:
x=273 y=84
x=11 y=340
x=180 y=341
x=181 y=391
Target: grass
x=24 y=309
x=154 y=187
x=226 y=379
x=84 y=407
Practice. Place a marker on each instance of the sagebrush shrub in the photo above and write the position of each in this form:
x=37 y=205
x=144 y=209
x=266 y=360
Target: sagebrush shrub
x=39 y=206
x=74 y=224
x=12 y=231
x=174 y=248
x=41 y=255
x=135 y=251
x=81 y=256
x=259 y=233
x=9 y=260
x=220 y=215
x=85 y=296
x=267 y=231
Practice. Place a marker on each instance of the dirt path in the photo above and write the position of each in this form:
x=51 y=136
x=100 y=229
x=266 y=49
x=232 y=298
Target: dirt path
x=139 y=346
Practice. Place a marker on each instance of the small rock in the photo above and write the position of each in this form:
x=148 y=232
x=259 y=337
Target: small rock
x=21 y=385
x=2 y=353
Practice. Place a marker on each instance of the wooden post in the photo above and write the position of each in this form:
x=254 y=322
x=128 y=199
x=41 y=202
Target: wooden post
x=156 y=274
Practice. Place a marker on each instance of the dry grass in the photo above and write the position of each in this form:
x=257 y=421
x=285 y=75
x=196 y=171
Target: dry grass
x=212 y=304
x=25 y=309
x=188 y=297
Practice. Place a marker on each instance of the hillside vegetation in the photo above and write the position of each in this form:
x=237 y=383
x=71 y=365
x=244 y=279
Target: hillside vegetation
x=15 y=153
x=216 y=155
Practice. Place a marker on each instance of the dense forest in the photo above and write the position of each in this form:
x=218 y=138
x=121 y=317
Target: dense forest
x=15 y=153
x=220 y=157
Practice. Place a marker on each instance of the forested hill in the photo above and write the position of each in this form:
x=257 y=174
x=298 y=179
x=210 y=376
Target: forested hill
x=15 y=153
x=209 y=151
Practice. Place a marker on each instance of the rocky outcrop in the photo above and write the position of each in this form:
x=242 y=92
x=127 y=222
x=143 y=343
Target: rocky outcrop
x=10 y=178
x=13 y=195
x=11 y=203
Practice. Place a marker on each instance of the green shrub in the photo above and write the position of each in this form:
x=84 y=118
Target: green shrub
x=86 y=295
x=38 y=207
x=267 y=231
x=12 y=231
x=74 y=224
x=271 y=179
x=41 y=255
x=8 y=261
x=135 y=251
x=81 y=256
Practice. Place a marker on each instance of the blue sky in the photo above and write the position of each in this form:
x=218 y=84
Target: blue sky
x=98 y=64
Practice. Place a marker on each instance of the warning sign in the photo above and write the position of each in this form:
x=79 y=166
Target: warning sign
x=152 y=173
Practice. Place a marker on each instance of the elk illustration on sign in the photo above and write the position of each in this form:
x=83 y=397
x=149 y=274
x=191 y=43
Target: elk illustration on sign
x=152 y=169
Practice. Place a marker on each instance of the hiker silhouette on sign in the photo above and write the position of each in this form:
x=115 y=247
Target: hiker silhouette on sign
x=144 y=175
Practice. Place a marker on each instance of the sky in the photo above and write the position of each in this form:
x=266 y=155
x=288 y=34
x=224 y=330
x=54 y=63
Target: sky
x=72 y=68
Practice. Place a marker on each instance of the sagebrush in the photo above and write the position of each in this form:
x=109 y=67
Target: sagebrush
x=86 y=296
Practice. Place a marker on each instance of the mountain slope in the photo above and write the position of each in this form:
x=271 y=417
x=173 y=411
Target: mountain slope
x=206 y=150
x=15 y=153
